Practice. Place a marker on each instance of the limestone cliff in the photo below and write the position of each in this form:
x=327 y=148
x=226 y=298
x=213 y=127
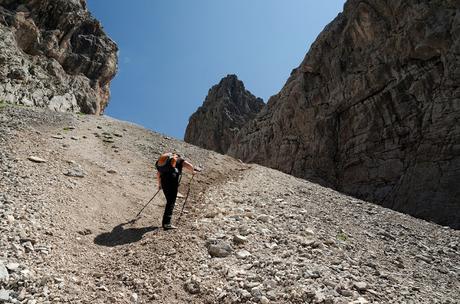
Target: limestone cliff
x=374 y=109
x=54 y=54
x=225 y=110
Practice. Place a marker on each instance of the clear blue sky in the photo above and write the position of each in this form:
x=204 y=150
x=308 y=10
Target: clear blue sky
x=173 y=51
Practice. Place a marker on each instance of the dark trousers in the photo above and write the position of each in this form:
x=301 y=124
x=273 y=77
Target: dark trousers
x=170 y=185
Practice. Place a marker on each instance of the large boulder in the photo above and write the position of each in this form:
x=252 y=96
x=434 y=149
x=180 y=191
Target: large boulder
x=54 y=54
x=226 y=109
x=374 y=109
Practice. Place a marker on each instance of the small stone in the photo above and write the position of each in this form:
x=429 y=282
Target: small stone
x=264 y=300
x=4 y=295
x=423 y=258
x=192 y=287
x=22 y=294
x=319 y=297
x=219 y=248
x=360 y=286
x=3 y=272
x=74 y=138
x=85 y=231
x=312 y=274
x=10 y=219
x=346 y=292
x=36 y=159
x=245 y=294
x=263 y=218
x=272 y=245
x=117 y=134
x=309 y=231
x=256 y=292
x=12 y=266
x=57 y=136
x=244 y=230
x=242 y=254
x=239 y=239
x=134 y=297
x=359 y=300
x=28 y=246
x=111 y=171
x=271 y=294
x=74 y=172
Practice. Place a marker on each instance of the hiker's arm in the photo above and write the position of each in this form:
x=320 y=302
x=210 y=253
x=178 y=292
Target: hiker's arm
x=159 y=180
x=188 y=166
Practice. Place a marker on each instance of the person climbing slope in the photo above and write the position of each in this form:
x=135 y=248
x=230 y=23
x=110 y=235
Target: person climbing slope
x=169 y=169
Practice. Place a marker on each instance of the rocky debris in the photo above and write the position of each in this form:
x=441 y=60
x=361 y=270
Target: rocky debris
x=239 y=239
x=225 y=110
x=3 y=272
x=85 y=231
x=243 y=254
x=55 y=55
x=134 y=297
x=317 y=245
x=36 y=159
x=371 y=111
x=75 y=172
x=192 y=285
x=4 y=295
x=12 y=267
x=218 y=248
x=360 y=286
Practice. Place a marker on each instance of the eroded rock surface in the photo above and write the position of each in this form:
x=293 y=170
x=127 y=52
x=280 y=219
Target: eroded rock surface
x=373 y=109
x=54 y=54
x=225 y=110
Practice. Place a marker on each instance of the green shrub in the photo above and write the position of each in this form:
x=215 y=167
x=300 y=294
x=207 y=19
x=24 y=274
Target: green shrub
x=341 y=236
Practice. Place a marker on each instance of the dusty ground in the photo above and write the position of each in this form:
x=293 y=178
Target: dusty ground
x=66 y=239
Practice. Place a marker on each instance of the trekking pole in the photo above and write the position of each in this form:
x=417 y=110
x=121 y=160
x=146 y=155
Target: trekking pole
x=145 y=206
x=186 y=197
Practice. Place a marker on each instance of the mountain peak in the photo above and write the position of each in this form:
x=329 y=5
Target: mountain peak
x=227 y=108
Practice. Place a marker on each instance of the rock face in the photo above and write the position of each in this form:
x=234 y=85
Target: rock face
x=225 y=110
x=373 y=110
x=54 y=54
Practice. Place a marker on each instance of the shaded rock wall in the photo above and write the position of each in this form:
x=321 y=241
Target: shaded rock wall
x=225 y=110
x=54 y=54
x=374 y=109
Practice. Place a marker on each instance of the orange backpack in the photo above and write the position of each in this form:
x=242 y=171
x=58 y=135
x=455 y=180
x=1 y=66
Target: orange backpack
x=166 y=163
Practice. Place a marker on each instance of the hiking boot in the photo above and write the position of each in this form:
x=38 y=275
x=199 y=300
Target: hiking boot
x=169 y=227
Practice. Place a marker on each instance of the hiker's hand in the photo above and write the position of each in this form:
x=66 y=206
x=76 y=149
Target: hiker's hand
x=196 y=169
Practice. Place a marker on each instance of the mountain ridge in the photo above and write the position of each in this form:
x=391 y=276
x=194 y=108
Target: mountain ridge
x=225 y=110
x=55 y=55
x=372 y=109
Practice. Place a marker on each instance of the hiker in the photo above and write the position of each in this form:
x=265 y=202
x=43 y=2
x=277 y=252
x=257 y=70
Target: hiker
x=169 y=167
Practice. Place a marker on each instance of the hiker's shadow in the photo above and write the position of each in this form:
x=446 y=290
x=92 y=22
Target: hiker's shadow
x=121 y=236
